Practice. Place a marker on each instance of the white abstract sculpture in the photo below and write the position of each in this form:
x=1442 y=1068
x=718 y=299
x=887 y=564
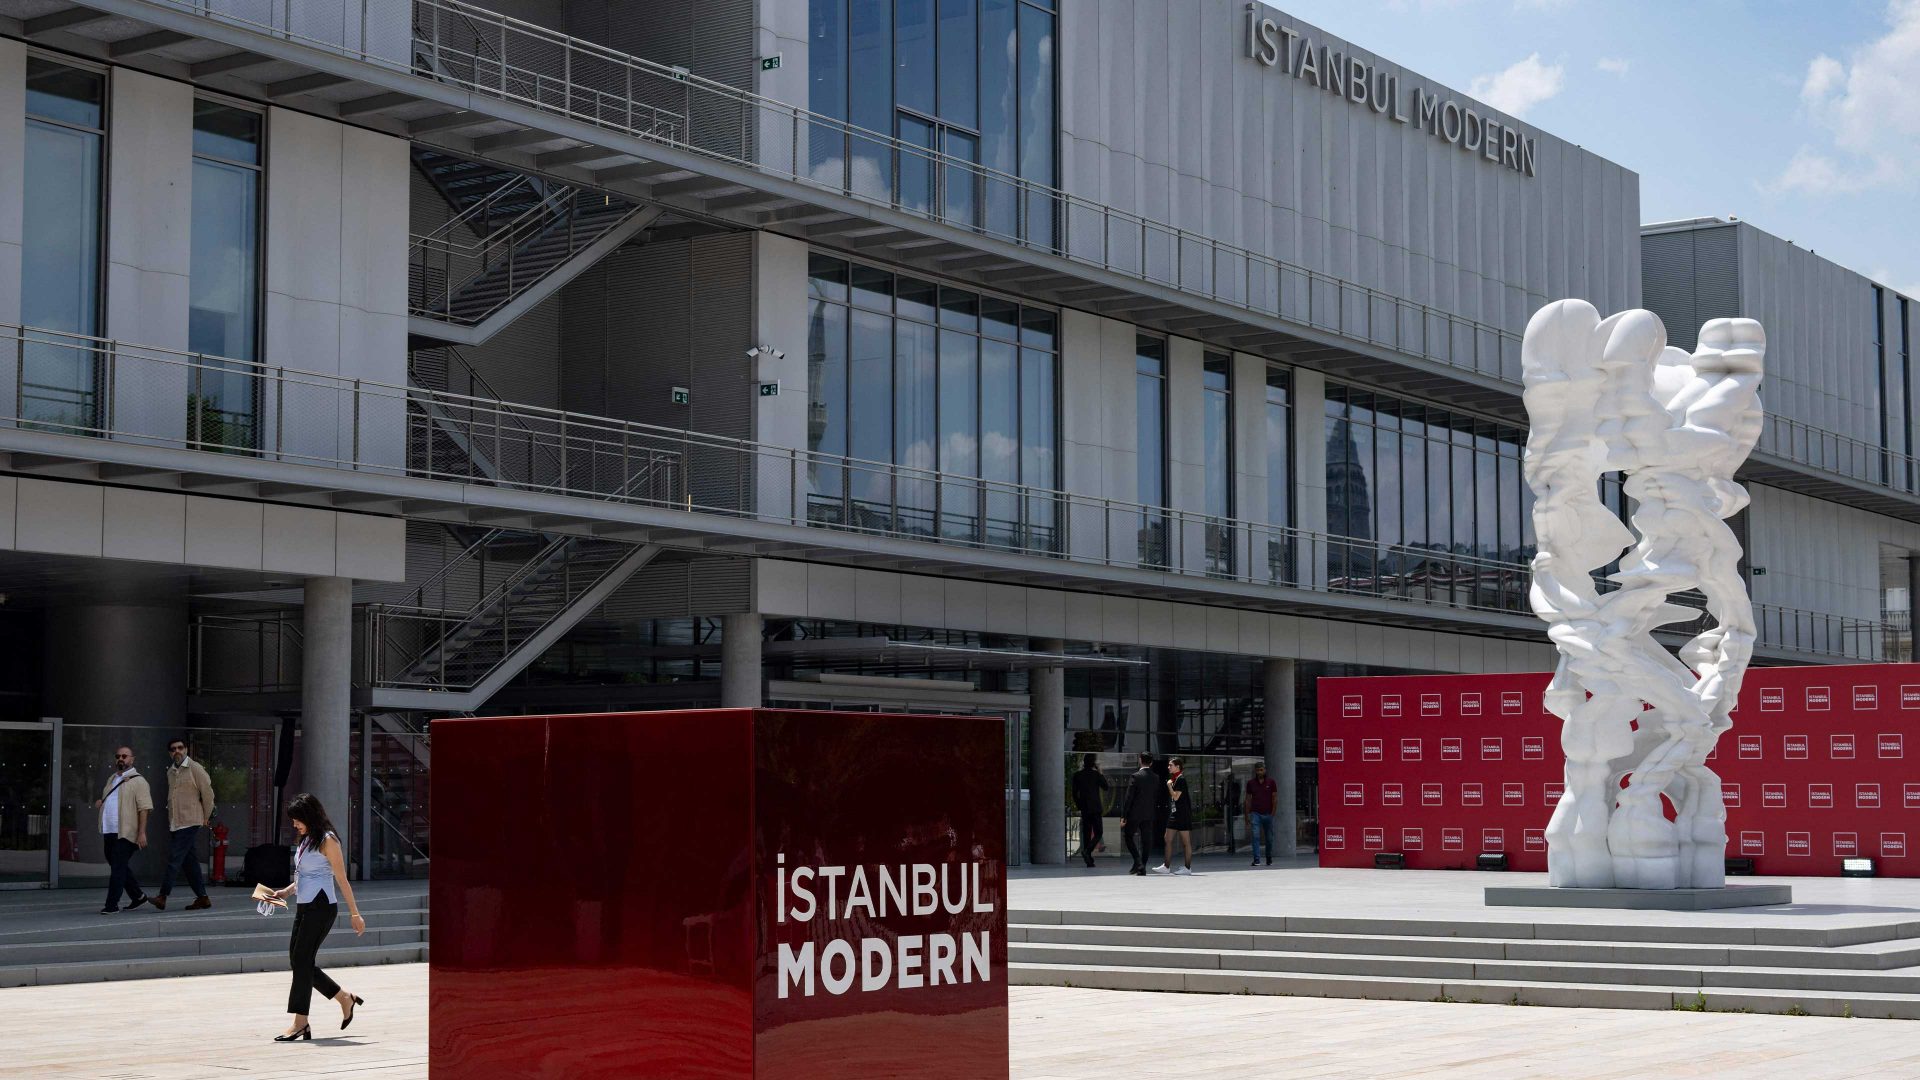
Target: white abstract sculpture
x=1607 y=396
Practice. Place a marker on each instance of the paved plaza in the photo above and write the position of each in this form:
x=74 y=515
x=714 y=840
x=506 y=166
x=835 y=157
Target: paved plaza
x=218 y=1026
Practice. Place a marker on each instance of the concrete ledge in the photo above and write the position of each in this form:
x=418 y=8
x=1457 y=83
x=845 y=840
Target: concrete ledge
x=1733 y=896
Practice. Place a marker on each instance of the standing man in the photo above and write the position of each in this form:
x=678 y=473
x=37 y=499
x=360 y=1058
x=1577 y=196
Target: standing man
x=189 y=809
x=124 y=807
x=1090 y=796
x=1143 y=794
x=1259 y=810
x=1179 y=820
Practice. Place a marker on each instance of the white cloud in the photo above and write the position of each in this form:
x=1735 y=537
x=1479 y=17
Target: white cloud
x=1614 y=65
x=1522 y=86
x=1869 y=108
x=1885 y=277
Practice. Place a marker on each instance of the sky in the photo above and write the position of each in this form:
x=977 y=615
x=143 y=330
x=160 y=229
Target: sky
x=1799 y=116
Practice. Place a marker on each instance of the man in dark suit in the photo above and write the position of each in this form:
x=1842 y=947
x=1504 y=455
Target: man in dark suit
x=1143 y=797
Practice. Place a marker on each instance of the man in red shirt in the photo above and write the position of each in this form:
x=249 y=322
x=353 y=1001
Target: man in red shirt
x=1258 y=806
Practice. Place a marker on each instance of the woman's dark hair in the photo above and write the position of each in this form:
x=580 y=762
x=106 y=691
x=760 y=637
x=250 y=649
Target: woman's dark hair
x=307 y=810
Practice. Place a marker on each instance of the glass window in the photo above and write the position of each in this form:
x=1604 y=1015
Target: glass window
x=915 y=422
x=1037 y=117
x=999 y=318
x=959 y=68
x=1039 y=435
x=999 y=124
x=827 y=83
x=1150 y=409
x=916 y=164
x=223 y=317
x=959 y=434
x=870 y=414
x=960 y=309
x=60 y=243
x=915 y=299
x=913 y=46
x=1216 y=407
x=1279 y=451
x=826 y=409
x=1000 y=437
x=827 y=278
x=870 y=91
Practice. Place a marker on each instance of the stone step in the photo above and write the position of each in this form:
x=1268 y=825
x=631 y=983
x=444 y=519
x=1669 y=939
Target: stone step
x=147 y=924
x=1714 y=998
x=1527 y=972
x=1873 y=956
x=1677 y=932
x=263 y=938
x=217 y=964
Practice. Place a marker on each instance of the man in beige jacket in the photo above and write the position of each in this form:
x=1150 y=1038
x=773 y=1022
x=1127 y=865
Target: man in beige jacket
x=124 y=805
x=189 y=809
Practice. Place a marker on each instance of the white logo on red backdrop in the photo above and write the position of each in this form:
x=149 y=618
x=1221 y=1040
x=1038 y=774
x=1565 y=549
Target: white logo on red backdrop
x=1866 y=698
x=1910 y=695
x=1393 y=795
x=1793 y=747
x=1473 y=795
x=1373 y=839
x=1410 y=749
x=1893 y=745
x=1350 y=705
x=1819 y=699
x=1413 y=839
x=1551 y=791
x=1453 y=839
x=1773 y=699
x=1513 y=795
x=1492 y=748
x=1730 y=794
x=1893 y=845
x=1469 y=704
x=1819 y=796
x=1373 y=750
x=1866 y=796
x=1390 y=705
x=1333 y=749
x=1512 y=702
x=1773 y=796
x=1846 y=845
x=1750 y=748
x=1534 y=839
x=1911 y=796
x=1753 y=843
x=1354 y=795
x=1429 y=704
x=1433 y=794
x=1452 y=749
x=1333 y=838
x=1493 y=839
x=1840 y=747
x=1533 y=748
x=1799 y=843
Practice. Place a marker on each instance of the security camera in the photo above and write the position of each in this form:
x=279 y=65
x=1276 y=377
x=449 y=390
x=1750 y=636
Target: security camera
x=756 y=352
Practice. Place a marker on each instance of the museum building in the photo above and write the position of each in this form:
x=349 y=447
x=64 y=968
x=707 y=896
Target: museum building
x=1114 y=368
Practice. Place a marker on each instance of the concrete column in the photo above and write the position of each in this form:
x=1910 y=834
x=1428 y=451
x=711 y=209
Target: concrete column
x=740 y=675
x=1281 y=727
x=119 y=664
x=1047 y=724
x=326 y=694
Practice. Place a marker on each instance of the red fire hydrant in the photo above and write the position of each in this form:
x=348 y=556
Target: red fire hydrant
x=220 y=854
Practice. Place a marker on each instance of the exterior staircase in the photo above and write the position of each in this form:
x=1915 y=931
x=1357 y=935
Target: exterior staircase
x=1862 y=971
x=512 y=242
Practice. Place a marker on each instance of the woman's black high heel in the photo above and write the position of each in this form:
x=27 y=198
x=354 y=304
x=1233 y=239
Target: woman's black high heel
x=305 y=1032
x=357 y=1002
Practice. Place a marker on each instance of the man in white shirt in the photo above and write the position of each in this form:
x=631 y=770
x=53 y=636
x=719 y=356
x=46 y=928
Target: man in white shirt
x=124 y=806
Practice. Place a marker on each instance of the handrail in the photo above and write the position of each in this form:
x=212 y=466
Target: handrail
x=611 y=460
x=591 y=84
x=481 y=209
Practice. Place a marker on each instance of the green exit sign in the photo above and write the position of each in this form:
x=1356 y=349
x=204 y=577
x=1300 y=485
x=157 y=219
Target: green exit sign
x=770 y=63
x=769 y=389
x=681 y=395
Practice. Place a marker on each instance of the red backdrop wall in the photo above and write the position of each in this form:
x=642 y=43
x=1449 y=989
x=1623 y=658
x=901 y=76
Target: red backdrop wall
x=1441 y=768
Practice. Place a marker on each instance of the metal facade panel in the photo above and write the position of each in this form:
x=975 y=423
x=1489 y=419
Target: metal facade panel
x=1162 y=113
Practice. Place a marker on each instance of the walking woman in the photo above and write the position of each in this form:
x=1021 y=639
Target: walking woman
x=319 y=880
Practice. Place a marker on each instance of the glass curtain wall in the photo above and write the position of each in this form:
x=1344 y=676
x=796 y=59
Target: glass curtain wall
x=223 y=320
x=61 y=238
x=961 y=83
x=956 y=387
x=1216 y=405
x=1279 y=447
x=1410 y=484
x=1906 y=385
x=1150 y=457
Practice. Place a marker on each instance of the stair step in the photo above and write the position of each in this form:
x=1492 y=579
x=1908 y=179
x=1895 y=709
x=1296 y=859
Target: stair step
x=220 y=964
x=65 y=952
x=1714 y=998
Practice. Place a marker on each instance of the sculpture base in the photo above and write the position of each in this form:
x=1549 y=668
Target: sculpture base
x=1732 y=896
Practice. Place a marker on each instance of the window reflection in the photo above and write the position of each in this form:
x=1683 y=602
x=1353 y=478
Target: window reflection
x=60 y=244
x=955 y=388
x=224 y=283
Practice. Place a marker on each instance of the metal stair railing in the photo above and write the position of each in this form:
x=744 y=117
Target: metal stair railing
x=278 y=642
x=458 y=265
x=468 y=432
x=475 y=220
